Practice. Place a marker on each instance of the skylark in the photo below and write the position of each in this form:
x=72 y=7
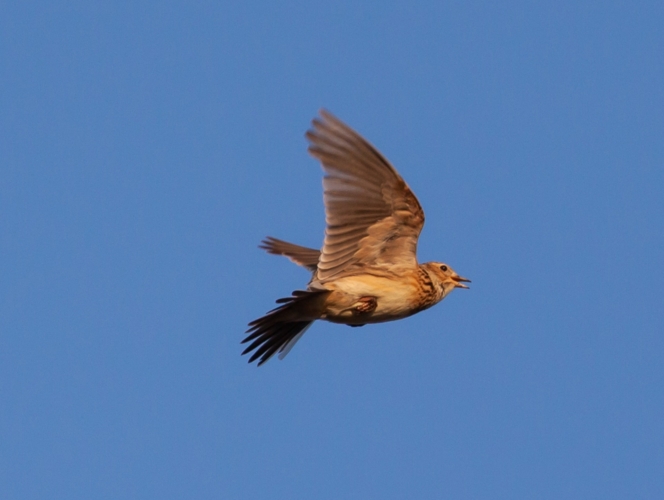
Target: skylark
x=367 y=270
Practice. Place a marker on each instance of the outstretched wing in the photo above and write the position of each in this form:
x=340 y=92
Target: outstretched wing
x=302 y=256
x=373 y=218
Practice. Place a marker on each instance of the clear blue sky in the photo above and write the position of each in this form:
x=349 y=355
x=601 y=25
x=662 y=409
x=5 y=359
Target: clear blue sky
x=145 y=150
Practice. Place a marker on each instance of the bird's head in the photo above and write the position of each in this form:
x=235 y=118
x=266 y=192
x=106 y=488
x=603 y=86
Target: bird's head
x=444 y=277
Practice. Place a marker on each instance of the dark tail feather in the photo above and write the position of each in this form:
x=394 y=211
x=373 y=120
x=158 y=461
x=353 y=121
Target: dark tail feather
x=282 y=327
x=302 y=256
x=275 y=339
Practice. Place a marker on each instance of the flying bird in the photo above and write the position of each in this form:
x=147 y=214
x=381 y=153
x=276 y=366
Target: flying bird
x=367 y=270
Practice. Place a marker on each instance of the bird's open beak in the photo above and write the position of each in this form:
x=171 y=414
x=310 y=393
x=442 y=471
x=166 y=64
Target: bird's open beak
x=459 y=281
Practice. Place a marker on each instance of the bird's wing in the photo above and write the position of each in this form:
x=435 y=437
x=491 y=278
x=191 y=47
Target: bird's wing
x=302 y=256
x=373 y=218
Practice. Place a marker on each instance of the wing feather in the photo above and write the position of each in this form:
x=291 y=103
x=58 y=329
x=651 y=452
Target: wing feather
x=373 y=219
x=302 y=256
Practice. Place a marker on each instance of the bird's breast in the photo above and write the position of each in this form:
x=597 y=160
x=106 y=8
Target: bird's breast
x=396 y=297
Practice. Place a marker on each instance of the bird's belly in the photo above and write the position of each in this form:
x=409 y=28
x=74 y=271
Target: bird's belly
x=394 y=299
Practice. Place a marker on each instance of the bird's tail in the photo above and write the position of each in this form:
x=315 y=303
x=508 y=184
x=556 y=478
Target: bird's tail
x=281 y=328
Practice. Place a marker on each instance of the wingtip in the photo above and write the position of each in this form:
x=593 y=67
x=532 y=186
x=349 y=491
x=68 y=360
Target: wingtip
x=265 y=241
x=325 y=115
x=268 y=243
x=324 y=118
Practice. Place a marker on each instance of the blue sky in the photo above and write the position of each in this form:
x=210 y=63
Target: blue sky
x=147 y=147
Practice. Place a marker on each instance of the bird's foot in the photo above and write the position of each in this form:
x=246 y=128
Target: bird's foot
x=365 y=305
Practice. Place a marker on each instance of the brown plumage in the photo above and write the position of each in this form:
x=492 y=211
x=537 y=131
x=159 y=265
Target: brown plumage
x=367 y=270
x=302 y=256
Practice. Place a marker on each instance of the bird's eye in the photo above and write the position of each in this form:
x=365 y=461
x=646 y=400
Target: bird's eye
x=443 y=267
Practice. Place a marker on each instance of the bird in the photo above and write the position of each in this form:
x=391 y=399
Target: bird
x=367 y=269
